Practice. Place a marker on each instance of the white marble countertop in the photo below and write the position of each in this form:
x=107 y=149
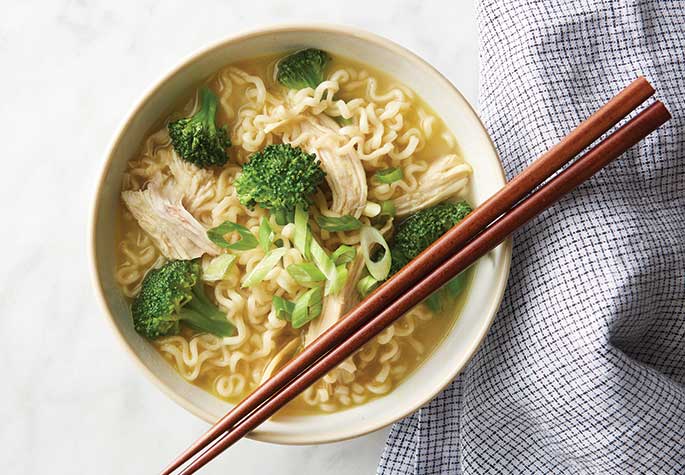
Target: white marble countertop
x=72 y=401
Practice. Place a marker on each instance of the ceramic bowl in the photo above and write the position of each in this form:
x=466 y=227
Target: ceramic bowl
x=490 y=274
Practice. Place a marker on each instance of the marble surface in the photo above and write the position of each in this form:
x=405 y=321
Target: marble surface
x=71 y=400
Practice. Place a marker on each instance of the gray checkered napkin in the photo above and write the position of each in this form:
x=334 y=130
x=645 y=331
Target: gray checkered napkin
x=583 y=369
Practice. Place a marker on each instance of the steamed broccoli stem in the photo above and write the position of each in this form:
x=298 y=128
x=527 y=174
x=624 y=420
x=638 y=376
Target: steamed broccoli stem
x=201 y=303
x=174 y=293
x=201 y=314
x=282 y=216
x=207 y=111
x=200 y=322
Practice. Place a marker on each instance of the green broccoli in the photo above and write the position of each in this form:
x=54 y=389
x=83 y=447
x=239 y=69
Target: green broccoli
x=279 y=178
x=421 y=229
x=197 y=139
x=303 y=69
x=172 y=294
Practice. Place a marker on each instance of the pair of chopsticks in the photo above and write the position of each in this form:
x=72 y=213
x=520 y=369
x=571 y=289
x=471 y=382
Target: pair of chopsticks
x=482 y=230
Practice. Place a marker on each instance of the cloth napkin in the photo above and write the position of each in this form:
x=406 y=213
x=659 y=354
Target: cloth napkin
x=583 y=369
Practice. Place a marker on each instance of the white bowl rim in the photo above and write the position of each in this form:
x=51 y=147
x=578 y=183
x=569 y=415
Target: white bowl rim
x=313 y=27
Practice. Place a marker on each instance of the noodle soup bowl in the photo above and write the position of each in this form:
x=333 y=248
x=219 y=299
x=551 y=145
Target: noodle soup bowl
x=489 y=273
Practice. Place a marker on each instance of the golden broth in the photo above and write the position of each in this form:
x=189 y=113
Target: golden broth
x=136 y=255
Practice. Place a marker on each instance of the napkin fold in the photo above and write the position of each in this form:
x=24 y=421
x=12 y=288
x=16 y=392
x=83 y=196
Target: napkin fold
x=583 y=369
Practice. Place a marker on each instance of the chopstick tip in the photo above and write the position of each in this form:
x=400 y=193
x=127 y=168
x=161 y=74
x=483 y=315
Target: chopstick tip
x=663 y=110
x=644 y=82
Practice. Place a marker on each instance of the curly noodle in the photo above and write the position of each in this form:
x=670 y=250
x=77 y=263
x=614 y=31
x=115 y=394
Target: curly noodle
x=386 y=126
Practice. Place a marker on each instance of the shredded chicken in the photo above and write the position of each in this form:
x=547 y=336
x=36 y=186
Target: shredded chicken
x=446 y=177
x=175 y=232
x=344 y=173
x=191 y=185
x=335 y=306
x=278 y=360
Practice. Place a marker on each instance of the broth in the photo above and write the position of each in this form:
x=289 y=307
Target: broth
x=231 y=368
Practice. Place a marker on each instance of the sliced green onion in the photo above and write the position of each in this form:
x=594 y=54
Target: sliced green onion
x=344 y=254
x=389 y=175
x=302 y=235
x=371 y=236
x=324 y=263
x=307 y=307
x=388 y=208
x=457 y=285
x=247 y=240
x=342 y=223
x=269 y=261
x=340 y=279
x=202 y=324
x=366 y=285
x=266 y=235
x=283 y=308
x=305 y=273
x=217 y=268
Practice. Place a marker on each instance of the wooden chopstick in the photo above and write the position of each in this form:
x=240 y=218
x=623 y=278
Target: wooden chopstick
x=580 y=171
x=580 y=138
x=577 y=140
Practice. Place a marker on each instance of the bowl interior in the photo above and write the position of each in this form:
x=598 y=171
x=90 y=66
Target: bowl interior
x=490 y=272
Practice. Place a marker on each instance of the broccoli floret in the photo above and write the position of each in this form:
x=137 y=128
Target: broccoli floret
x=279 y=178
x=197 y=139
x=421 y=229
x=303 y=69
x=172 y=294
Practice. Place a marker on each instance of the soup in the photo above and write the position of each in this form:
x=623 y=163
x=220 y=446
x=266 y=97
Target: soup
x=297 y=185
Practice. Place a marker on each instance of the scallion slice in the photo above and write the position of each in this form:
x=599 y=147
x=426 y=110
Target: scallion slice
x=247 y=240
x=344 y=254
x=269 y=261
x=302 y=235
x=266 y=234
x=371 y=236
x=283 y=308
x=342 y=223
x=341 y=274
x=366 y=285
x=217 y=268
x=324 y=263
x=388 y=208
x=307 y=307
x=305 y=273
x=389 y=175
